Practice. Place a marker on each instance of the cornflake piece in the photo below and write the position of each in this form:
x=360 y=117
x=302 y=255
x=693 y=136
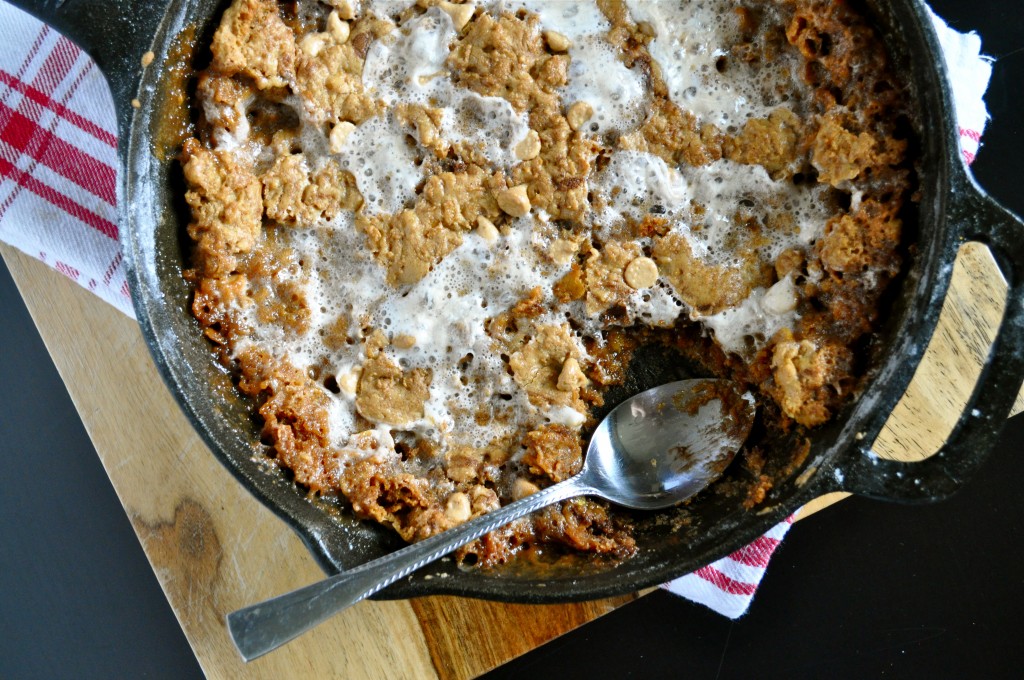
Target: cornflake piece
x=515 y=201
x=641 y=273
x=579 y=113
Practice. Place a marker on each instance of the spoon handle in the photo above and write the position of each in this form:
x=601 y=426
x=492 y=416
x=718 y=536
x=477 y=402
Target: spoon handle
x=264 y=627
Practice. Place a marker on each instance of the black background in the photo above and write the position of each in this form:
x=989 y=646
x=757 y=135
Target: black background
x=861 y=590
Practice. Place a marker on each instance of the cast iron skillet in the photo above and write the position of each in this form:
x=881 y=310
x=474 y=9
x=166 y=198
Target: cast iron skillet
x=953 y=210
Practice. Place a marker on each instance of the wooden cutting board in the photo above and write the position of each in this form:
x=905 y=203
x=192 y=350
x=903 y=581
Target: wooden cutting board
x=215 y=549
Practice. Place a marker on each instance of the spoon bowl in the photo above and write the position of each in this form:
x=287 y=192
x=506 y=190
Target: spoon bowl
x=664 y=445
x=652 y=451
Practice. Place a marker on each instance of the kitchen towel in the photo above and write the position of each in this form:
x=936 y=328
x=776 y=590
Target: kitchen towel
x=58 y=187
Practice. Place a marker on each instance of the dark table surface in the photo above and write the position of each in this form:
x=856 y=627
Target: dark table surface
x=864 y=589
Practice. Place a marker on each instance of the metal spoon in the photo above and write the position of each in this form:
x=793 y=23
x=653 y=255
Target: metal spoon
x=652 y=451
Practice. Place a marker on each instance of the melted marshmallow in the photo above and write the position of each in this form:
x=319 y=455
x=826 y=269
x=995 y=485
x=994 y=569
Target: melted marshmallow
x=411 y=69
x=691 y=37
x=763 y=314
x=384 y=164
x=597 y=76
x=724 y=188
x=636 y=183
x=574 y=20
x=409 y=66
x=489 y=123
x=446 y=312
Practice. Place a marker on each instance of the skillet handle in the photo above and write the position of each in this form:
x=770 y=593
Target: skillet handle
x=863 y=473
x=114 y=33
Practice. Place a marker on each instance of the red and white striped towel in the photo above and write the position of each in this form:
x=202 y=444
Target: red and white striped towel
x=58 y=157
x=58 y=179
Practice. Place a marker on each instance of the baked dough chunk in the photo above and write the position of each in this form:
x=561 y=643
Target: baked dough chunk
x=292 y=193
x=707 y=288
x=554 y=452
x=417 y=505
x=379 y=490
x=773 y=143
x=225 y=101
x=557 y=179
x=805 y=375
x=411 y=242
x=227 y=209
x=605 y=276
x=386 y=393
x=254 y=41
x=329 y=74
x=867 y=239
x=840 y=155
x=585 y=525
x=539 y=364
x=295 y=415
x=505 y=57
x=675 y=136
x=214 y=304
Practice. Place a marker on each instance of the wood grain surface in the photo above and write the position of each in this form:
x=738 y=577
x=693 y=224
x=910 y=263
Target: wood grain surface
x=214 y=548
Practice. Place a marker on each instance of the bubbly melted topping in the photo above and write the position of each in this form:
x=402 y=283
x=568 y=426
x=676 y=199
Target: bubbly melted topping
x=444 y=315
x=690 y=41
x=528 y=175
